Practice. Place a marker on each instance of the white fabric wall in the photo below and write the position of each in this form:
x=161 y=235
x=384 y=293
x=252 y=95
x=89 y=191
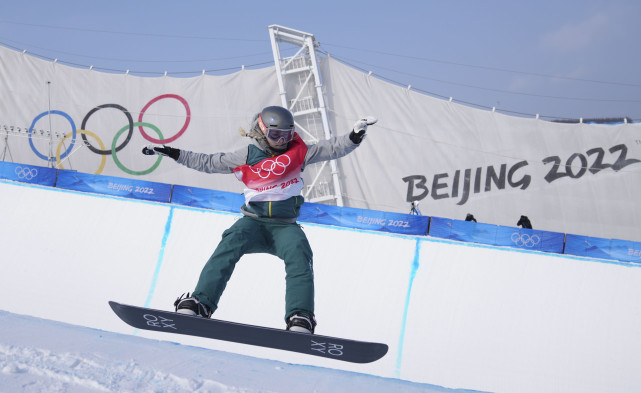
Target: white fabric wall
x=417 y=136
x=453 y=314
x=219 y=105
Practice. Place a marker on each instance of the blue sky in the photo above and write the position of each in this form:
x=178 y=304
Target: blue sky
x=558 y=59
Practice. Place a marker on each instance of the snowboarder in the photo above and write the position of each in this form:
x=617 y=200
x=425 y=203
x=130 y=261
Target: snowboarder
x=270 y=167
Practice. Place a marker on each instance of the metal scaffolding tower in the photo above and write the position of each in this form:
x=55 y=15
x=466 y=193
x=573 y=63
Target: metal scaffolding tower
x=301 y=91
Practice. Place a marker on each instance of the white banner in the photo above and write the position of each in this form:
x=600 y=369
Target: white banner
x=452 y=159
x=200 y=114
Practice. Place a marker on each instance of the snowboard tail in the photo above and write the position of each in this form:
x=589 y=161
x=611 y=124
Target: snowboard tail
x=311 y=344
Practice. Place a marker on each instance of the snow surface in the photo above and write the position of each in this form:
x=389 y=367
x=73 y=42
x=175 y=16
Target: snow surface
x=453 y=314
x=43 y=356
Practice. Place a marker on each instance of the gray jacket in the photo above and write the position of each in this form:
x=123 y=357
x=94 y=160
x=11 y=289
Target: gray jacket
x=324 y=150
x=283 y=210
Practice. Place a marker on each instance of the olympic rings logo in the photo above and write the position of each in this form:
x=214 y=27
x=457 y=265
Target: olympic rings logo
x=26 y=173
x=101 y=150
x=525 y=240
x=272 y=166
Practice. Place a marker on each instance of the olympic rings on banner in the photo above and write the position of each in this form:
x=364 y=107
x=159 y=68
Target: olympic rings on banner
x=182 y=130
x=26 y=173
x=102 y=150
x=33 y=124
x=103 y=160
x=523 y=239
x=123 y=144
x=117 y=161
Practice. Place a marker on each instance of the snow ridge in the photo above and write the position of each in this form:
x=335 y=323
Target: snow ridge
x=43 y=356
x=69 y=372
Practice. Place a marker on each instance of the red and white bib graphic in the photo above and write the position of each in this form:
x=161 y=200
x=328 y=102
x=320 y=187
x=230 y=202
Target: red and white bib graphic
x=275 y=178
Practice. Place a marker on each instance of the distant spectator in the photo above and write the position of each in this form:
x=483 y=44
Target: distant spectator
x=524 y=222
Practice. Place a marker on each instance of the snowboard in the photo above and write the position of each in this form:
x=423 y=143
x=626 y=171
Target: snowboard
x=310 y=344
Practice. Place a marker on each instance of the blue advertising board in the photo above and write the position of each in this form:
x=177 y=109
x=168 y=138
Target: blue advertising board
x=310 y=212
x=28 y=173
x=594 y=247
x=208 y=199
x=116 y=186
x=372 y=220
x=408 y=224
x=496 y=235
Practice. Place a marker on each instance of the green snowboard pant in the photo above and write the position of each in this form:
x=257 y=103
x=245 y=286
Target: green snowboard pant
x=251 y=235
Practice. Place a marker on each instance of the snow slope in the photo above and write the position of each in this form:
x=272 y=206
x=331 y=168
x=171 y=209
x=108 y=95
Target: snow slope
x=43 y=356
x=453 y=314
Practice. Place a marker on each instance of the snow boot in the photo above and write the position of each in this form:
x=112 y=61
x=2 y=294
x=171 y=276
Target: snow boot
x=191 y=306
x=301 y=323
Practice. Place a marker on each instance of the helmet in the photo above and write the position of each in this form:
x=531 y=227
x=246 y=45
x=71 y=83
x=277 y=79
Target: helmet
x=276 y=123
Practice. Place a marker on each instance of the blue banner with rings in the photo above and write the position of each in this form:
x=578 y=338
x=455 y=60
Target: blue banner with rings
x=407 y=224
x=310 y=212
x=594 y=247
x=28 y=173
x=208 y=199
x=117 y=186
x=469 y=231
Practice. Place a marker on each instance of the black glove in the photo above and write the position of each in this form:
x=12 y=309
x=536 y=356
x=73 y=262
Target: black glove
x=358 y=131
x=161 y=151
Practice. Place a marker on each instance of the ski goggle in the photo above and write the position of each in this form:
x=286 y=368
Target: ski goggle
x=276 y=134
